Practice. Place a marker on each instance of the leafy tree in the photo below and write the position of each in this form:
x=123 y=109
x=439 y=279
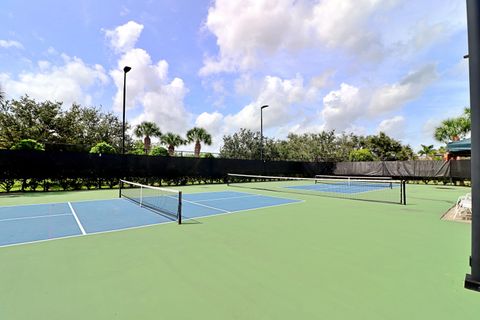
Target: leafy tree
x=158 y=151
x=89 y=125
x=172 y=140
x=385 y=148
x=427 y=151
x=47 y=123
x=322 y=146
x=136 y=147
x=147 y=129
x=454 y=128
x=102 y=148
x=28 y=144
x=27 y=119
x=244 y=144
x=199 y=135
x=361 y=155
x=406 y=154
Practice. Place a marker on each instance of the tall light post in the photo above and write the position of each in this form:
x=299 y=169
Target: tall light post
x=125 y=70
x=261 y=130
x=472 y=280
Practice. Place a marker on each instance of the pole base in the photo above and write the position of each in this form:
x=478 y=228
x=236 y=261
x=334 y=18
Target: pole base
x=471 y=284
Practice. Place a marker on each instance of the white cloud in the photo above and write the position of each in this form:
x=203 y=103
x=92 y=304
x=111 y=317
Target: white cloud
x=10 y=44
x=250 y=29
x=68 y=82
x=209 y=121
x=213 y=123
x=284 y=97
x=43 y=64
x=342 y=107
x=281 y=95
x=394 y=127
x=149 y=88
x=124 y=37
x=418 y=25
x=165 y=107
x=391 y=97
x=336 y=24
x=322 y=80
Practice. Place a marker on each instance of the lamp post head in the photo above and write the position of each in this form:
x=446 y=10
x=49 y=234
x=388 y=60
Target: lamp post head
x=126 y=69
x=265 y=106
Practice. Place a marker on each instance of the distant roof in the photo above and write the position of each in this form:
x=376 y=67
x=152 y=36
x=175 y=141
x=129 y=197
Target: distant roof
x=461 y=146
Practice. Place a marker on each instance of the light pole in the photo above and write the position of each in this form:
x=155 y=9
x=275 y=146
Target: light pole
x=261 y=130
x=472 y=280
x=125 y=70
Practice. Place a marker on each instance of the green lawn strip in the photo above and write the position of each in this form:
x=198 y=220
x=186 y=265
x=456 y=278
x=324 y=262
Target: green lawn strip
x=322 y=258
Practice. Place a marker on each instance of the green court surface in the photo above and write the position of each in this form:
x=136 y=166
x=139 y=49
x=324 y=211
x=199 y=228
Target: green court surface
x=324 y=258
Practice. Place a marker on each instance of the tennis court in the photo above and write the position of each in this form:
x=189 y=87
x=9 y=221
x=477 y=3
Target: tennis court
x=30 y=223
x=316 y=258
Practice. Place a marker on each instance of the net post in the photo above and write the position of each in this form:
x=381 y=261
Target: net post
x=141 y=196
x=404 y=187
x=120 y=188
x=179 y=208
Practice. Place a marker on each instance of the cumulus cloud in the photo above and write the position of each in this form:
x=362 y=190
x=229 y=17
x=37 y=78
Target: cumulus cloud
x=124 y=37
x=165 y=107
x=281 y=95
x=336 y=24
x=214 y=124
x=10 y=44
x=68 y=82
x=210 y=121
x=392 y=97
x=342 y=107
x=149 y=88
x=284 y=96
x=394 y=127
x=249 y=29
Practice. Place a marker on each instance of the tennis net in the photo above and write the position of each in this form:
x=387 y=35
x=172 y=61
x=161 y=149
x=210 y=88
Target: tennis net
x=389 y=191
x=164 y=201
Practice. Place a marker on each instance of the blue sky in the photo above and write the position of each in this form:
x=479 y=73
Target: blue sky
x=359 y=66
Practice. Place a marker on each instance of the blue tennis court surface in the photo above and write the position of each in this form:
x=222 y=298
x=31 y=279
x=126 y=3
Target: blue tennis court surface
x=345 y=188
x=30 y=223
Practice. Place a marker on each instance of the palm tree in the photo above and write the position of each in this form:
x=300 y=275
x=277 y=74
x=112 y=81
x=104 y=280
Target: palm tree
x=172 y=140
x=199 y=135
x=454 y=128
x=147 y=129
x=427 y=151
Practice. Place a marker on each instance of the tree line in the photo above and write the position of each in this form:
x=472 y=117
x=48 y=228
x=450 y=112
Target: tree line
x=324 y=146
x=28 y=124
x=330 y=146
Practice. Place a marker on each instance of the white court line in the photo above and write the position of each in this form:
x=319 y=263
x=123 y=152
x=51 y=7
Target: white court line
x=258 y=208
x=203 y=205
x=238 y=197
x=76 y=218
x=52 y=203
x=36 y=217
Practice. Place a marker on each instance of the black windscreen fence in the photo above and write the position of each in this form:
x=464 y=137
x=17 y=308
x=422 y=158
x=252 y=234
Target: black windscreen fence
x=423 y=169
x=51 y=165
